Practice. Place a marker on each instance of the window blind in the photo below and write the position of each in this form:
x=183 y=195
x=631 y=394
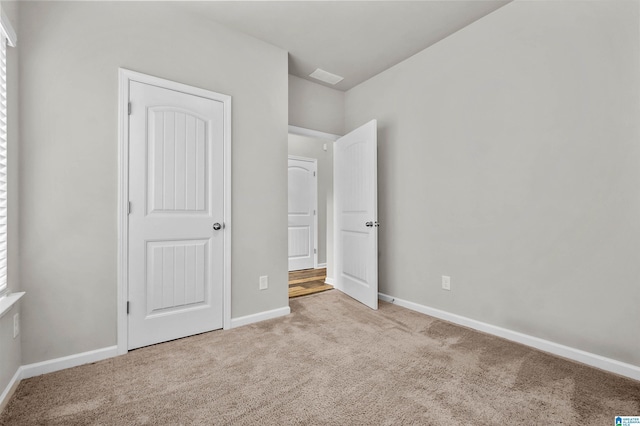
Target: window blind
x=3 y=163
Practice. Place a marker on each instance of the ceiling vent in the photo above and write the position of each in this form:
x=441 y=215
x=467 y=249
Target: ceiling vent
x=325 y=76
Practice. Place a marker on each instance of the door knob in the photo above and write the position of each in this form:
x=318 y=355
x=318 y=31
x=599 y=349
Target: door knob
x=369 y=224
x=217 y=226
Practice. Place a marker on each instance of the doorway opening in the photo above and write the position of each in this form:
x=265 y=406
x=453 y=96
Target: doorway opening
x=310 y=253
x=351 y=245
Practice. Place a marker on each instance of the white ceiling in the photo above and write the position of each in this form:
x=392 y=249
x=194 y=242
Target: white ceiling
x=354 y=39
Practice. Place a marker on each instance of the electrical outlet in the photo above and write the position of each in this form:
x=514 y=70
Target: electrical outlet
x=16 y=325
x=446 y=282
x=264 y=282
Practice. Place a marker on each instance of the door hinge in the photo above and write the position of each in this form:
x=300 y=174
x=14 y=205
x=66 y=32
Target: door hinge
x=127 y=307
x=314 y=212
x=315 y=251
x=314 y=173
x=129 y=106
x=129 y=208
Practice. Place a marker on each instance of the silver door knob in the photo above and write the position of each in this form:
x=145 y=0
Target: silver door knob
x=217 y=226
x=369 y=224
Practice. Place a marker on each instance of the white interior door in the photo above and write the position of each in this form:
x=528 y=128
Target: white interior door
x=302 y=213
x=356 y=214
x=176 y=189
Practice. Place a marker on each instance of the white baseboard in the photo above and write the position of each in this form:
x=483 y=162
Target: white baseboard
x=328 y=280
x=38 y=368
x=5 y=396
x=321 y=265
x=260 y=316
x=594 y=360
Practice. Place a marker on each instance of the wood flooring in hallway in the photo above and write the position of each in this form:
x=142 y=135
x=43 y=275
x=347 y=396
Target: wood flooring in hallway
x=307 y=281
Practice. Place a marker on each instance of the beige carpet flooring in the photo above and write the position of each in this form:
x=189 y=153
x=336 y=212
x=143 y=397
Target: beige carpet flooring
x=334 y=362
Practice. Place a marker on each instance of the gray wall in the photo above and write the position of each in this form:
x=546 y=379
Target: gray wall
x=70 y=54
x=315 y=107
x=304 y=146
x=509 y=160
x=10 y=348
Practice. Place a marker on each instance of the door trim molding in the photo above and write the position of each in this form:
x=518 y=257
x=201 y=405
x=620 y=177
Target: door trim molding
x=315 y=205
x=301 y=131
x=124 y=78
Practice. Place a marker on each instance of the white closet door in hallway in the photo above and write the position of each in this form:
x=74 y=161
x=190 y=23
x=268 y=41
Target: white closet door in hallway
x=302 y=213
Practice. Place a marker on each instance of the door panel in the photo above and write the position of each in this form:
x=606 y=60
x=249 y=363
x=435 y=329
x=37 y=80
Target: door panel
x=302 y=213
x=177 y=161
x=299 y=242
x=176 y=276
x=176 y=191
x=354 y=266
x=356 y=213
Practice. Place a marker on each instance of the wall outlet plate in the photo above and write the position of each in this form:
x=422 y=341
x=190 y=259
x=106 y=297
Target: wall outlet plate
x=264 y=282
x=446 y=282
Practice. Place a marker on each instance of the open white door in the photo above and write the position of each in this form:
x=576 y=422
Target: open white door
x=302 y=215
x=356 y=214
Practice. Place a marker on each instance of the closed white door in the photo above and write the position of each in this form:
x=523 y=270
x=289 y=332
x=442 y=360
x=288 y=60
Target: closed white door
x=176 y=189
x=356 y=214
x=302 y=212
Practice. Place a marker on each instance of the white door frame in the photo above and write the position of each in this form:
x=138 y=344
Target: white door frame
x=295 y=130
x=315 y=206
x=125 y=77
x=330 y=138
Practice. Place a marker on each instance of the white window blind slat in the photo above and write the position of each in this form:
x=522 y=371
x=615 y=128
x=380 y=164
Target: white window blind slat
x=3 y=162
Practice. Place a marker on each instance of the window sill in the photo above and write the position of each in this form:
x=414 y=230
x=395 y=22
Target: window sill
x=6 y=302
